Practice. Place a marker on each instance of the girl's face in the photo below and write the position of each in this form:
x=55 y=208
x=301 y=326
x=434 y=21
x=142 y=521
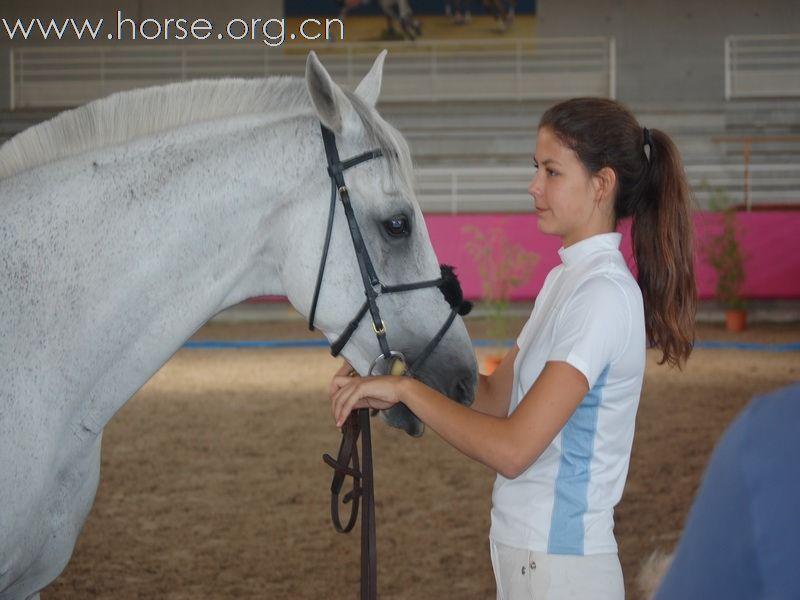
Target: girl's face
x=565 y=195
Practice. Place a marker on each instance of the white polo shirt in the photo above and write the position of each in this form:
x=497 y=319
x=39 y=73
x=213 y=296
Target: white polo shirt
x=589 y=314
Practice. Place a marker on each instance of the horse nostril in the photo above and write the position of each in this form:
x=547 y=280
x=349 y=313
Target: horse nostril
x=463 y=392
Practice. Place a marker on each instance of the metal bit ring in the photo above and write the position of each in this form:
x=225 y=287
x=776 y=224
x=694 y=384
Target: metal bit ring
x=392 y=355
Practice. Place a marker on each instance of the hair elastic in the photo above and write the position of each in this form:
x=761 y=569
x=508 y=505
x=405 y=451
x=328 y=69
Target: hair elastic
x=648 y=144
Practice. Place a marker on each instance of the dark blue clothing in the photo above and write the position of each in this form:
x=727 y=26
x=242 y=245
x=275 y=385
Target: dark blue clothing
x=742 y=536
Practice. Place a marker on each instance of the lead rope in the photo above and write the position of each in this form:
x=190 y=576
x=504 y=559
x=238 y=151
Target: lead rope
x=346 y=464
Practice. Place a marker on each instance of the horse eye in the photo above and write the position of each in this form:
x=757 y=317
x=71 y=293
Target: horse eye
x=397 y=226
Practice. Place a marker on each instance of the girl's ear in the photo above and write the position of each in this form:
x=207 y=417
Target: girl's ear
x=605 y=182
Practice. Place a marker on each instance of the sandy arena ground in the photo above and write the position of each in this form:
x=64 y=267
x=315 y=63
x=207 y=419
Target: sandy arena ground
x=213 y=486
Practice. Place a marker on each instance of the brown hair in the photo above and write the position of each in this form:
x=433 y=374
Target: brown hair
x=652 y=190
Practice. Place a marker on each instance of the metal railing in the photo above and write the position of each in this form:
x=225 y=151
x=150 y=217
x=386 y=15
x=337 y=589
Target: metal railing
x=762 y=66
x=540 y=68
x=747 y=143
x=500 y=189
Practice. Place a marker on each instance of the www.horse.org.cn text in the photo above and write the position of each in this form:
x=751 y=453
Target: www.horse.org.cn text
x=271 y=31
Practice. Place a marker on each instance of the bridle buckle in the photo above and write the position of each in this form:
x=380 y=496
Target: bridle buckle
x=379 y=330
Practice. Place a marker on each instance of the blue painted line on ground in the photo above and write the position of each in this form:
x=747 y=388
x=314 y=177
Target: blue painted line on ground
x=228 y=344
x=712 y=345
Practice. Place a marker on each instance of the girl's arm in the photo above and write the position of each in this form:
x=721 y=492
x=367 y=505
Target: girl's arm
x=493 y=394
x=507 y=445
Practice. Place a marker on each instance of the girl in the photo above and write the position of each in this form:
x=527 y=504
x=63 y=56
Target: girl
x=556 y=419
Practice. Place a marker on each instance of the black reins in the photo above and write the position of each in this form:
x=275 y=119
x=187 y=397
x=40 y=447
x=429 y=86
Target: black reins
x=347 y=463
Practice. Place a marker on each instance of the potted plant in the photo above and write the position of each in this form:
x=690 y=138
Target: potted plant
x=724 y=253
x=502 y=266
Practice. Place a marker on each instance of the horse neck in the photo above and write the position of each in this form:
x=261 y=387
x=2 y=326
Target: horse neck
x=187 y=225
x=217 y=229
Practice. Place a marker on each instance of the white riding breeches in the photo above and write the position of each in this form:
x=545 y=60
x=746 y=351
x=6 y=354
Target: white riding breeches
x=526 y=575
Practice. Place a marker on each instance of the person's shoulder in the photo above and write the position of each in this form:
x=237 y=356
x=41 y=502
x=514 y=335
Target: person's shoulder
x=610 y=264
x=599 y=303
x=775 y=412
x=553 y=274
x=763 y=437
x=785 y=399
x=604 y=288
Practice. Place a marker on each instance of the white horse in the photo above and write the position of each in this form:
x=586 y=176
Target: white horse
x=127 y=223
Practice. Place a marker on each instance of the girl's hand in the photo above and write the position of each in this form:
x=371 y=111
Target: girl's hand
x=346 y=370
x=351 y=393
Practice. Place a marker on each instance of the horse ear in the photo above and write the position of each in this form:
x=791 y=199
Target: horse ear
x=370 y=87
x=332 y=106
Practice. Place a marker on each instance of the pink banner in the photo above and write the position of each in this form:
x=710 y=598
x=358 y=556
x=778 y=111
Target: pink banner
x=769 y=243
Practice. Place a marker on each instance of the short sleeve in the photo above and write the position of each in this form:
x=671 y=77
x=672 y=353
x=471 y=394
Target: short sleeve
x=593 y=328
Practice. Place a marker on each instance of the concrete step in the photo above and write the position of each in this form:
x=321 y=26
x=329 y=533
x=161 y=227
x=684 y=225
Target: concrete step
x=512 y=115
x=763 y=117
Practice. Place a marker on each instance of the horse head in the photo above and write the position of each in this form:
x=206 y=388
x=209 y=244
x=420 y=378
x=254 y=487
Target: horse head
x=386 y=217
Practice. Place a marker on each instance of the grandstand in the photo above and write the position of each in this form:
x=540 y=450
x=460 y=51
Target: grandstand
x=469 y=112
x=468 y=97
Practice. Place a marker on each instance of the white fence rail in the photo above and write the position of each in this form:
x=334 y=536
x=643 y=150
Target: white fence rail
x=498 y=189
x=541 y=68
x=762 y=66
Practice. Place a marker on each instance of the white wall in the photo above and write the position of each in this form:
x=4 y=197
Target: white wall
x=668 y=51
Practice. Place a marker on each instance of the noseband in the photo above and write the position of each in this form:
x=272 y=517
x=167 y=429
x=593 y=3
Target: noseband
x=372 y=285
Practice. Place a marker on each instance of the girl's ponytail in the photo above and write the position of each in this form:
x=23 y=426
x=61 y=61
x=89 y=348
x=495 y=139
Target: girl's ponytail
x=663 y=248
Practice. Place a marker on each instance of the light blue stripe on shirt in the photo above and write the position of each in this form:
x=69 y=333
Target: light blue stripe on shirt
x=571 y=498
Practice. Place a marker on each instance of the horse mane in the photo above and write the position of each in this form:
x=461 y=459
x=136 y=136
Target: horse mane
x=391 y=143
x=125 y=116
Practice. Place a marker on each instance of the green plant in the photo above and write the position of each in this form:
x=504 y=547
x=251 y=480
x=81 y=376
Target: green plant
x=502 y=266
x=724 y=253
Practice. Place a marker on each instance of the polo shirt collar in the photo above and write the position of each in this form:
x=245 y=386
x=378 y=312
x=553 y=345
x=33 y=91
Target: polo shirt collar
x=602 y=242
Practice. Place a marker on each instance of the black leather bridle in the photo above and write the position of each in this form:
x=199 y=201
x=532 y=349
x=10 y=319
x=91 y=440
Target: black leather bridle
x=372 y=285
x=346 y=463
